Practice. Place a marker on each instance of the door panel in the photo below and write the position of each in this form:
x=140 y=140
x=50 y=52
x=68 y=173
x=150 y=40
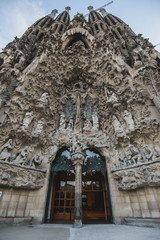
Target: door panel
x=63 y=198
x=93 y=205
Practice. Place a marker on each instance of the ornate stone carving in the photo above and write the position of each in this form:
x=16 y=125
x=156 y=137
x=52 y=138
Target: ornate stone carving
x=20 y=157
x=139 y=176
x=39 y=128
x=129 y=120
x=134 y=156
x=5 y=151
x=19 y=177
x=62 y=121
x=27 y=120
x=43 y=100
x=35 y=162
x=112 y=98
x=119 y=131
x=95 y=122
x=156 y=100
x=87 y=125
x=136 y=168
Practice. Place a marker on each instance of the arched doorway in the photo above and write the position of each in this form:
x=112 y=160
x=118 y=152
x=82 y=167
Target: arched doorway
x=96 y=207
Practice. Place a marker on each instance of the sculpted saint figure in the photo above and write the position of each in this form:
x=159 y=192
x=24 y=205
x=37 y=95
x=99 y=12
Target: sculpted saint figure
x=27 y=120
x=35 y=161
x=62 y=121
x=43 y=100
x=95 y=121
x=129 y=120
x=5 y=151
x=21 y=156
x=118 y=127
x=39 y=127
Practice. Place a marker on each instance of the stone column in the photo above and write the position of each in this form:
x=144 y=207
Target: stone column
x=77 y=158
x=78 y=193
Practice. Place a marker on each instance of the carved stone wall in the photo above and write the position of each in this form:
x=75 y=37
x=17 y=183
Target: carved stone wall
x=20 y=177
x=93 y=83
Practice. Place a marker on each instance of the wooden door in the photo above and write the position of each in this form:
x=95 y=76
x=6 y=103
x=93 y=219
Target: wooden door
x=63 y=199
x=93 y=199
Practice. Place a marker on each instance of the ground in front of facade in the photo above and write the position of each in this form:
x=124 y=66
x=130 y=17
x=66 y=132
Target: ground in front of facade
x=67 y=232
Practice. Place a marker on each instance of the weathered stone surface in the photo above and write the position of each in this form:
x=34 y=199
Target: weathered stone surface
x=138 y=176
x=80 y=85
x=20 y=177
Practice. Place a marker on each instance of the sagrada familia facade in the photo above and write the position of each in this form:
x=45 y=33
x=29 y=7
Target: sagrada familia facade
x=79 y=123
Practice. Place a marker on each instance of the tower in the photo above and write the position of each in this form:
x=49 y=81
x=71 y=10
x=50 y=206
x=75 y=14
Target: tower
x=79 y=114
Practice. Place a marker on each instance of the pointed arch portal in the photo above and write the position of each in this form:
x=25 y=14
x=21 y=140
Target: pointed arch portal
x=95 y=198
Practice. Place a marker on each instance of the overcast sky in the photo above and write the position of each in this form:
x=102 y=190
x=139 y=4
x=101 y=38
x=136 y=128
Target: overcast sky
x=143 y=16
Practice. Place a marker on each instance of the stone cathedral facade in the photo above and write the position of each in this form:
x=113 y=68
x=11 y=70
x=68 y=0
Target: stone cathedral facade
x=79 y=122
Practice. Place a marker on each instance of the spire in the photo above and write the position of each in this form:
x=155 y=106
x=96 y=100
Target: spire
x=67 y=9
x=103 y=12
x=53 y=13
x=90 y=8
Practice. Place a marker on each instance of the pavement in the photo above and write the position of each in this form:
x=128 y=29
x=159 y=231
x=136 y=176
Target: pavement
x=87 y=232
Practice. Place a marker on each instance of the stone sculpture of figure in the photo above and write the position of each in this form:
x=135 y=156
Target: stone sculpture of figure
x=77 y=126
x=43 y=100
x=129 y=120
x=27 y=120
x=136 y=155
x=156 y=100
x=62 y=123
x=5 y=151
x=129 y=160
x=39 y=127
x=121 y=159
x=70 y=124
x=21 y=156
x=149 y=153
x=76 y=146
x=87 y=125
x=112 y=99
x=95 y=121
x=35 y=161
x=118 y=127
x=137 y=62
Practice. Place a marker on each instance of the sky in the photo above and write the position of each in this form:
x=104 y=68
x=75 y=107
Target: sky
x=143 y=16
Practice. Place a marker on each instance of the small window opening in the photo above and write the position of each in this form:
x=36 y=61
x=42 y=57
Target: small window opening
x=102 y=26
x=129 y=61
x=61 y=28
x=96 y=26
x=97 y=15
x=65 y=17
x=107 y=21
x=120 y=31
x=40 y=36
x=50 y=22
x=116 y=35
x=112 y=20
x=36 y=32
x=55 y=27
x=43 y=22
x=77 y=86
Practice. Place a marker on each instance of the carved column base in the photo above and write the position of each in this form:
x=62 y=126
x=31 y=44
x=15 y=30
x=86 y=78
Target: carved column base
x=77 y=223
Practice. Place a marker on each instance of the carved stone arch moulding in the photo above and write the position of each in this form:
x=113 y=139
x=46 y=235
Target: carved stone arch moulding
x=76 y=34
